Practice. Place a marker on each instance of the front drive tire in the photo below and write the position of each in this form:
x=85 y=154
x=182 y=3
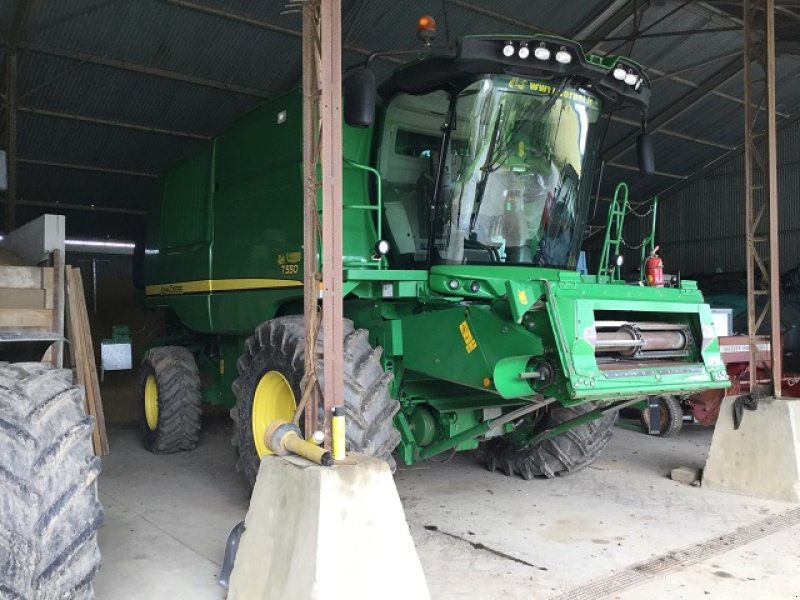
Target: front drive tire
x=271 y=371
x=170 y=400
x=49 y=509
x=566 y=453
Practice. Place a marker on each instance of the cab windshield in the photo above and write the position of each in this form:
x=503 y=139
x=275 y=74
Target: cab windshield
x=518 y=174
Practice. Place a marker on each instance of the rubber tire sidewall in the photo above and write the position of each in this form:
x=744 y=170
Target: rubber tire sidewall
x=62 y=493
x=278 y=345
x=568 y=452
x=674 y=421
x=151 y=437
x=261 y=363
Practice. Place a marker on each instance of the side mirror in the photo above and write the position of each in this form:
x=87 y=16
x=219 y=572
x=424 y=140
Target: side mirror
x=359 y=98
x=644 y=150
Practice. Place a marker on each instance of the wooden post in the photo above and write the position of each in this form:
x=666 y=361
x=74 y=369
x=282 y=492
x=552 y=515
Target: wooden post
x=331 y=158
x=310 y=213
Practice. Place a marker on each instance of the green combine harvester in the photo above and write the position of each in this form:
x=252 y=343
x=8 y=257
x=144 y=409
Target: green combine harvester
x=468 y=326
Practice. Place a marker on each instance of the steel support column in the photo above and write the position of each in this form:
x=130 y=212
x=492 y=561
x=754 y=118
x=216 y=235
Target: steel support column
x=761 y=185
x=11 y=137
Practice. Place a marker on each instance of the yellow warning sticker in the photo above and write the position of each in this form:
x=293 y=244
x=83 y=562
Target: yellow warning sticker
x=469 y=341
x=522 y=297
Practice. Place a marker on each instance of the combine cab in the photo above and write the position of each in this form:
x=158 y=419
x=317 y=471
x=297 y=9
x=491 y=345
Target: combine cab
x=468 y=325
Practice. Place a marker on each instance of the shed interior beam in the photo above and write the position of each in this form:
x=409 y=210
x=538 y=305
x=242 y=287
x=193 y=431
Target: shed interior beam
x=672 y=133
x=712 y=165
x=627 y=167
x=111 y=123
x=493 y=14
x=80 y=167
x=609 y=19
x=265 y=25
x=82 y=207
x=606 y=20
x=662 y=34
x=144 y=69
x=18 y=27
x=665 y=116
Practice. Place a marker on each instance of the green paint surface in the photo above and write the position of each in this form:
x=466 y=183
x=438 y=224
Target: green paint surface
x=455 y=336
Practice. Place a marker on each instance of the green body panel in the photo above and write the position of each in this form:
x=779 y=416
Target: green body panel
x=464 y=342
x=233 y=215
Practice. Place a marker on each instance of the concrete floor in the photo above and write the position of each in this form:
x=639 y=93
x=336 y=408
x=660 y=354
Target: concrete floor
x=611 y=531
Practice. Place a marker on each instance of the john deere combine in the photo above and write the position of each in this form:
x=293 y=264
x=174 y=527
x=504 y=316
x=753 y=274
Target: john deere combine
x=471 y=328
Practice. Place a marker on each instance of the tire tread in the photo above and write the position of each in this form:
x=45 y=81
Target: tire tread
x=179 y=400
x=48 y=486
x=566 y=453
x=369 y=408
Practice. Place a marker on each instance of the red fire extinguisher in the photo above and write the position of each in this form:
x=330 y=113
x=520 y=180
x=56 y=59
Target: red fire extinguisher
x=654 y=269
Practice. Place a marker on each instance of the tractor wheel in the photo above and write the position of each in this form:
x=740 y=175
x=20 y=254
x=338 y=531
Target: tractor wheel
x=50 y=511
x=170 y=400
x=670 y=416
x=269 y=387
x=563 y=454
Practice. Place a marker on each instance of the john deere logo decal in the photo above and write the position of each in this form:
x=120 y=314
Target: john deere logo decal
x=288 y=262
x=522 y=297
x=469 y=342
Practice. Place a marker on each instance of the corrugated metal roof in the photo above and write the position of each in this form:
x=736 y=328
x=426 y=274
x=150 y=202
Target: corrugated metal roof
x=254 y=44
x=106 y=92
x=55 y=139
x=69 y=186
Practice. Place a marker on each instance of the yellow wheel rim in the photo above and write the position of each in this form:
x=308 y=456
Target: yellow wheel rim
x=151 y=402
x=274 y=399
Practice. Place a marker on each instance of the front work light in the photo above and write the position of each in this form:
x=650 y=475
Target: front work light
x=508 y=50
x=381 y=249
x=563 y=56
x=542 y=52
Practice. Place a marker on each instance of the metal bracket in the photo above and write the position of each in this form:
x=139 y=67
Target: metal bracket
x=231 y=548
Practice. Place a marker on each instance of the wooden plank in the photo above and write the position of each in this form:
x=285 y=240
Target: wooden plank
x=76 y=348
x=92 y=380
x=26 y=317
x=22 y=298
x=69 y=320
x=21 y=277
x=48 y=278
x=58 y=308
x=73 y=328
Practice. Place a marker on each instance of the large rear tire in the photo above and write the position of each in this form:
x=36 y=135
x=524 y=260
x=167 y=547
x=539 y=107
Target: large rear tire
x=49 y=509
x=269 y=386
x=170 y=400
x=566 y=453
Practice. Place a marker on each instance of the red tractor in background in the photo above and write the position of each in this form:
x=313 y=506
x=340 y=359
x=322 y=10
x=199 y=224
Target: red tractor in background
x=705 y=406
